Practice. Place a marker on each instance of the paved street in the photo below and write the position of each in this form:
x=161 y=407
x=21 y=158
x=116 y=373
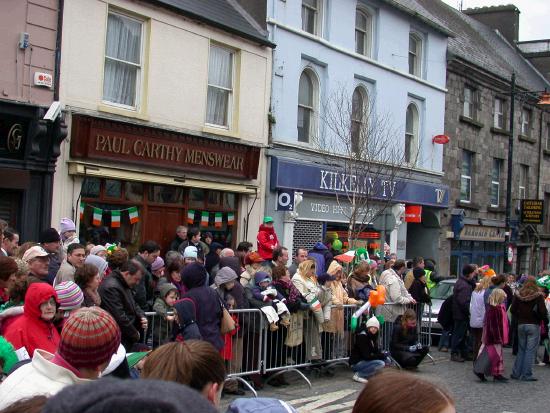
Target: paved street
x=337 y=394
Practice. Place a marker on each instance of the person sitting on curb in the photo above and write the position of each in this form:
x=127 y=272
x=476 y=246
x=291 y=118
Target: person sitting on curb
x=366 y=358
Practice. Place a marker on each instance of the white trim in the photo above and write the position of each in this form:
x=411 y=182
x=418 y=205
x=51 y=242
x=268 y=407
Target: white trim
x=354 y=55
x=231 y=97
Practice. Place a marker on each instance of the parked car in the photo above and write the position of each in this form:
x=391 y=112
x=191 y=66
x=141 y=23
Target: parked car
x=439 y=293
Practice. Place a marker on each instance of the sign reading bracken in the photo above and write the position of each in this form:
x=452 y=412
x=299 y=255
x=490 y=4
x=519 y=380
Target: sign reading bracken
x=94 y=138
x=532 y=211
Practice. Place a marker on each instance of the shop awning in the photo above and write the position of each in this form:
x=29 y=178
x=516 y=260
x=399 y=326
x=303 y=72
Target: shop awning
x=100 y=171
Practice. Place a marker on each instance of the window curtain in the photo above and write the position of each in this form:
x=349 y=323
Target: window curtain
x=220 y=79
x=123 y=44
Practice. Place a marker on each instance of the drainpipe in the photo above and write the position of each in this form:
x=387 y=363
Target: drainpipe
x=58 y=37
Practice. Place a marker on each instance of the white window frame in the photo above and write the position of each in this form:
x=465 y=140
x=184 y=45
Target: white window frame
x=140 y=71
x=497 y=165
x=464 y=177
x=317 y=17
x=314 y=109
x=526 y=122
x=412 y=136
x=360 y=121
x=366 y=32
x=523 y=181
x=418 y=56
x=498 y=113
x=469 y=107
x=231 y=99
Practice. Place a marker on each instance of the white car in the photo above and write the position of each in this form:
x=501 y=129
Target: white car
x=438 y=294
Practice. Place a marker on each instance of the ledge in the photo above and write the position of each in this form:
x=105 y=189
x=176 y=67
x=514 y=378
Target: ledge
x=495 y=209
x=467 y=205
x=527 y=139
x=471 y=122
x=546 y=152
x=498 y=131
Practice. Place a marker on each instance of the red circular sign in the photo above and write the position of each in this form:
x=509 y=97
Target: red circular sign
x=441 y=139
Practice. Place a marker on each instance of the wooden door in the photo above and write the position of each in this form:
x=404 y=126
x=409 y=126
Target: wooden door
x=160 y=225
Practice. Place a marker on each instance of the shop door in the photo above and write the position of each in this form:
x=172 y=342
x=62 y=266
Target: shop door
x=9 y=207
x=160 y=225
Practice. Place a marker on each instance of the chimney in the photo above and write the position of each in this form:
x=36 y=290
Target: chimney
x=505 y=19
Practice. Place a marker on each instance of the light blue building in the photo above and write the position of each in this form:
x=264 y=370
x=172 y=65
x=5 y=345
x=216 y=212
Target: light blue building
x=390 y=54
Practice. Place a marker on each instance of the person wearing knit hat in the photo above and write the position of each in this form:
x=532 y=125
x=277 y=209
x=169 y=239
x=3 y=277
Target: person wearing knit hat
x=366 y=357
x=164 y=309
x=70 y=299
x=67 y=231
x=129 y=396
x=99 y=250
x=252 y=263
x=50 y=241
x=190 y=254
x=97 y=262
x=88 y=340
x=157 y=268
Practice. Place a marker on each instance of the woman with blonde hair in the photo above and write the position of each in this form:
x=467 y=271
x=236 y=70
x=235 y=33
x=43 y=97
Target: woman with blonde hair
x=306 y=282
x=477 y=312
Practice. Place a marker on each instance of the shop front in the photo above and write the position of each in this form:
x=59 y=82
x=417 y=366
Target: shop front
x=322 y=205
x=29 y=147
x=136 y=183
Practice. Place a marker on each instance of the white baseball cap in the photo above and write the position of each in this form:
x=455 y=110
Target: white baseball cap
x=34 y=252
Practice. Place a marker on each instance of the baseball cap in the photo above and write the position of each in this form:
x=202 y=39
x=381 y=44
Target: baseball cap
x=190 y=252
x=268 y=220
x=34 y=252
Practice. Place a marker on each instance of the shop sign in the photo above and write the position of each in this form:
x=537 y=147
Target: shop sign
x=481 y=233
x=94 y=138
x=413 y=213
x=303 y=176
x=285 y=200
x=12 y=137
x=510 y=254
x=532 y=211
x=330 y=210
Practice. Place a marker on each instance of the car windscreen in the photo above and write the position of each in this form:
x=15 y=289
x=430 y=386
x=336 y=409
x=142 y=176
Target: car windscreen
x=442 y=290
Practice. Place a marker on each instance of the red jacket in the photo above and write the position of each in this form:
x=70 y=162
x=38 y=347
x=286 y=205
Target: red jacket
x=31 y=331
x=267 y=242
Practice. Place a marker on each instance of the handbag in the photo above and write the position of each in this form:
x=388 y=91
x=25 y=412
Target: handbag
x=227 y=323
x=483 y=362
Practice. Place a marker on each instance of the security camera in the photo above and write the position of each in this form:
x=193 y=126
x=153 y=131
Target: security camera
x=53 y=111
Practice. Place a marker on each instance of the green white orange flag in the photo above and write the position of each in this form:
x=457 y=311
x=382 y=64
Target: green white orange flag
x=81 y=208
x=230 y=218
x=115 y=219
x=204 y=218
x=134 y=216
x=98 y=214
x=218 y=219
x=191 y=216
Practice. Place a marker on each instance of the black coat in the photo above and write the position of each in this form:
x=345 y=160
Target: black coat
x=419 y=292
x=445 y=316
x=118 y=299
x=175 y=244
x=365 y=348
x=462 y=294
x=144 y=290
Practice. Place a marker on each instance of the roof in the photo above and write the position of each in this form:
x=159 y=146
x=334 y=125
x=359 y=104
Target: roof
x=227 y=15
x=481 y=46
x=417 y=10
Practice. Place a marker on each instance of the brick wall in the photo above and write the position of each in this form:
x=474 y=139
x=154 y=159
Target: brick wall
x=306 y=234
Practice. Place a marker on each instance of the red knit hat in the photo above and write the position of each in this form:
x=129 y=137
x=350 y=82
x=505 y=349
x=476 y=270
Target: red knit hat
x=89 y=338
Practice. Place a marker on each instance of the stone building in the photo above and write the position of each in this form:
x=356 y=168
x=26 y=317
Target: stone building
x=481 y=61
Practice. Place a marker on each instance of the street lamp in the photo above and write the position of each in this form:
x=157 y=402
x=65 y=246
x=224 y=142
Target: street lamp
x=543 y=101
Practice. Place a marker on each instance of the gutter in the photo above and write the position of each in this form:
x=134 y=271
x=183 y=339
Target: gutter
x=58 y=39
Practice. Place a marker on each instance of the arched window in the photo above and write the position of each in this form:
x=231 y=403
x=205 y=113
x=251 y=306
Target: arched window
x=363 y=32
x=415 y=54
x=411 y=134
x=307 y=103
x=358 y=121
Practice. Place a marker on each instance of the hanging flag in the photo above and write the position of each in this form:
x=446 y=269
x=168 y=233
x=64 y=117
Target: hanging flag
x=218 y=220
x=230 y=218
x=82 y=206
x=204 y=218
x=115 y=219
x=191 y=216
x=133 y=213
x=98 y=214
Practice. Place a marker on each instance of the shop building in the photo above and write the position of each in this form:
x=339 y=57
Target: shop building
x=388 y=54
x=29 y=144
x=170 y=134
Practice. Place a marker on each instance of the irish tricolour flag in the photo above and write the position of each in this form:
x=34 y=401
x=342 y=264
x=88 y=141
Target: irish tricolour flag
x=98 y=213
x=133 y=213
x=115 y=219
x=218 y=219
x=191 y=216
x=204 y=219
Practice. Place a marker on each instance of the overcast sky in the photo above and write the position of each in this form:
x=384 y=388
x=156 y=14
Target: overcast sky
x=534 y=19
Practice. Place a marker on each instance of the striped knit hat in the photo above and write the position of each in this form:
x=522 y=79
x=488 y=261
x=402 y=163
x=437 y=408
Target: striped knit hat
x=89 y=338
x=69 y=295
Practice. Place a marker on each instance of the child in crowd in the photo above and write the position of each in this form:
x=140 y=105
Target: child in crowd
x=275 y=306
x=67 y=231
x=70 y=299
x=227 y=351
x=164 y=304
x=366 y=358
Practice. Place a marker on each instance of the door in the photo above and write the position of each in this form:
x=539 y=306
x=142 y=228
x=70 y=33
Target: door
x=160 y=225
x=10 y=205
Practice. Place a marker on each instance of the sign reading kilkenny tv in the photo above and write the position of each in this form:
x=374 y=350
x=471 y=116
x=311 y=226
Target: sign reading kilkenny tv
x=290 y=174
x=95 y=138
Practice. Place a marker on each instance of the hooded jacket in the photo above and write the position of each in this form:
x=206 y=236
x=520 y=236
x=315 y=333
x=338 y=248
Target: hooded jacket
x=31 y=331
x=462 y=294
x=322 y=257
x=529 y=307
x=162 y=327
x=267 y=241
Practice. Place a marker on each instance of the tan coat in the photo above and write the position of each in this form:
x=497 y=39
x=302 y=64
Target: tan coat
x=339 y=298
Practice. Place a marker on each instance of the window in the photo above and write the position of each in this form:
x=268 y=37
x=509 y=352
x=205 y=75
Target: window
x=411 y=134
x=466 y=176
x=307 y=98
x=358 y=106
x=495 y=182
x=311 y=11
x=220 y=86
x=526 y=122
x=470 y=103
x=415 y=54
x=123 y=61
x=498 y=114
x=523 y=181
x=363 y=33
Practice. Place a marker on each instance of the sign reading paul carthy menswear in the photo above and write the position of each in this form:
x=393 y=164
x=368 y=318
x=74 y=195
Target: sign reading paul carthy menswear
x=101 y=139
x=290 y=174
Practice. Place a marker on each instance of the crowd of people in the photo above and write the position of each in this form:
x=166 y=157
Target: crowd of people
x=73 y=312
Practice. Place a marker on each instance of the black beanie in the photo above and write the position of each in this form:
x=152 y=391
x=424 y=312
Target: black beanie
x=128 y=396
x=49 y=235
